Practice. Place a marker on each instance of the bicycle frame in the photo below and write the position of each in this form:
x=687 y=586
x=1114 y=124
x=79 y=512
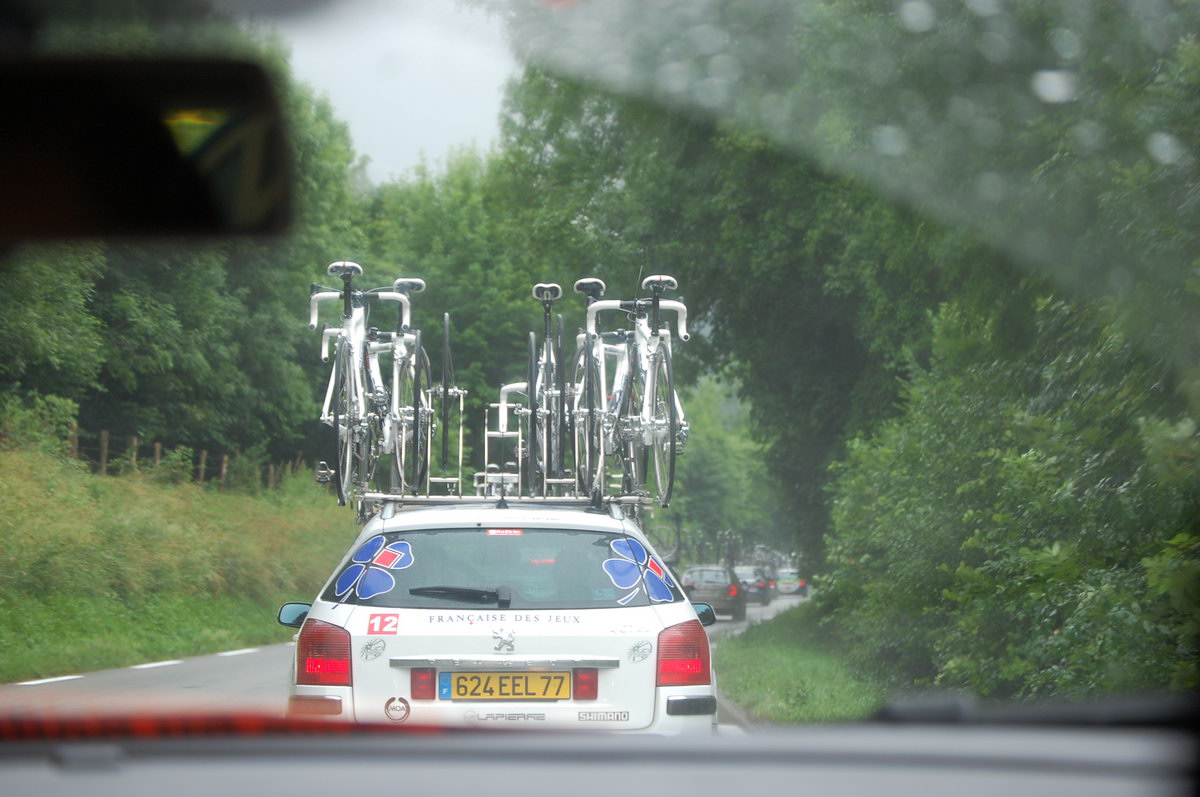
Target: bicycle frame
x=358 y=355
x=624 y=424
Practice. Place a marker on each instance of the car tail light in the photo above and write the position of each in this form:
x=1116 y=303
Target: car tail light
x=683 y=655
x=761 y=584
x=323 y=655
x=772 y=583
x=585 y=683
x=803 y=582
x=733 y=590
x=422 y=683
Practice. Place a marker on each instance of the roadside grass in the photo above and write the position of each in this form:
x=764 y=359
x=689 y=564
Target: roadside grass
x=790 y=670
x=102 y=571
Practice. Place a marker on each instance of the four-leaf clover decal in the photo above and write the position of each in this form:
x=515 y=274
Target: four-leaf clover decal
x=368 y=572
x=635 y=569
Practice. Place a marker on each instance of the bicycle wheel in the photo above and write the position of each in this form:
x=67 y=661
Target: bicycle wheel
x=664 y=424
x=401 y=454
x=665 y=540
x=558 y=408
x=344 y=422
x=447 y=379
x=587 y=426
x=634 y=454
x=533 y=438
x=420 y=374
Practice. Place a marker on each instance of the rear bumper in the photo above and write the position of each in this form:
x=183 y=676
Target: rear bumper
x=673 y=716
x=334 y=703
x=678 y=711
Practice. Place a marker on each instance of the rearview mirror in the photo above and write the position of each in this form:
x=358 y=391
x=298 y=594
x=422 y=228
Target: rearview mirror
x=140 y=147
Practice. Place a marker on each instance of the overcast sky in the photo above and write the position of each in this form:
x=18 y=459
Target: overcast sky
x=410 y=77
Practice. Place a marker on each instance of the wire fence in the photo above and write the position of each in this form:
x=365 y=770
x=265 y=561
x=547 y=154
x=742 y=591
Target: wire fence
x=107 y=454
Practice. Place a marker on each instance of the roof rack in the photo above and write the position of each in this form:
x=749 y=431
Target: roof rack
x=627 y=506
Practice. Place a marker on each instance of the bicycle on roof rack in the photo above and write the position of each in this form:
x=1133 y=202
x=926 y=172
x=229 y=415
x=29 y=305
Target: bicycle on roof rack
x=449 y=398
x=546 y=463
x=369 y=416
x=640 y=419
x=588 y=397
x=573 y=430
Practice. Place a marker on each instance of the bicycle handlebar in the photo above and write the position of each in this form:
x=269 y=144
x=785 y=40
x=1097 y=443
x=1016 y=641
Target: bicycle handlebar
x=680 y=309
x=325 y=296
x=505 y=392
x=314 y=300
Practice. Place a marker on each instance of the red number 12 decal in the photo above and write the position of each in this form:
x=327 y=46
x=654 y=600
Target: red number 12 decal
x=382 y=623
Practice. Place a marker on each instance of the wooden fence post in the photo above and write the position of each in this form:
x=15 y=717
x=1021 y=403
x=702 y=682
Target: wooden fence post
x=270 y=475
x=103 y=451
x=133 y=447
x=224 y=468
x=203 y=466
x=73 y=440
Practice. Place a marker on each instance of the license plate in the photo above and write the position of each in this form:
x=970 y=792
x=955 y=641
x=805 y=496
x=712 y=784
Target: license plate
x=504 y=686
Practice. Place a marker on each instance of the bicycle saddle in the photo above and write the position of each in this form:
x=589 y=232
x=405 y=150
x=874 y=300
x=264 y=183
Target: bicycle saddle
x=590 y=286
x=547 y=291
x=344 y=267
x=407 y=285
x=660 y=282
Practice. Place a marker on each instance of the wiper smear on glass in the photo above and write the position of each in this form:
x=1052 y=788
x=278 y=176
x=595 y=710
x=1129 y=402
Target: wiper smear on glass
x=502 y=595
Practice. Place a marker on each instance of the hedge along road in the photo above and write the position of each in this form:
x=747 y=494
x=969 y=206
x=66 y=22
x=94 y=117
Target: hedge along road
x=243 y=680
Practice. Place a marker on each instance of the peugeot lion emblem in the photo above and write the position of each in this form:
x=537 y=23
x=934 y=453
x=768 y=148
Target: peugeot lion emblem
x=504 y=642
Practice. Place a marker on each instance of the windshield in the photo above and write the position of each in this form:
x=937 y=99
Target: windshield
x=940 y=261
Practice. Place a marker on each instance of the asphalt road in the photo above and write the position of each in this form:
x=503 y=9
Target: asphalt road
x=251 y=679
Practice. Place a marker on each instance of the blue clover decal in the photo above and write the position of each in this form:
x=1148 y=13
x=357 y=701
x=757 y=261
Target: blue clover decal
x=634 y=569
x=368 y=573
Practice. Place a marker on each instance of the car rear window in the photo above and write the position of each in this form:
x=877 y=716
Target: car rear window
x=528 y=568
x=706 y=575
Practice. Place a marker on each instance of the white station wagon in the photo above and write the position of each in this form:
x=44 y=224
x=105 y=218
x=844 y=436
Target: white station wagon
x=521 y=615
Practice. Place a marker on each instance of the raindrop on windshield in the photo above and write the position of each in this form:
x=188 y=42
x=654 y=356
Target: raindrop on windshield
x=1066 y=43
x=675 y=77
x=1165 y=148
x=1089 y=135
x=995 y=48
x=1054 y=85
x=991 y=187
x=890 y=140
x=917 y=16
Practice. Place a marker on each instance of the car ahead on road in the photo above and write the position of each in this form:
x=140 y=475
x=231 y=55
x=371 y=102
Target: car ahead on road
x=791 y=583
x=755 y=583
x=772 y=581
x=718 y=586
x=521 y=615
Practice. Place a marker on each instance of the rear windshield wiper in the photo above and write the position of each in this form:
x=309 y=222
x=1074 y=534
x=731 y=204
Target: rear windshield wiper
x=501 y=595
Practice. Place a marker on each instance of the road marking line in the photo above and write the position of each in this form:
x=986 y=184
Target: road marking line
x=239 y=652
x=49 y=680
x=153 y=664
